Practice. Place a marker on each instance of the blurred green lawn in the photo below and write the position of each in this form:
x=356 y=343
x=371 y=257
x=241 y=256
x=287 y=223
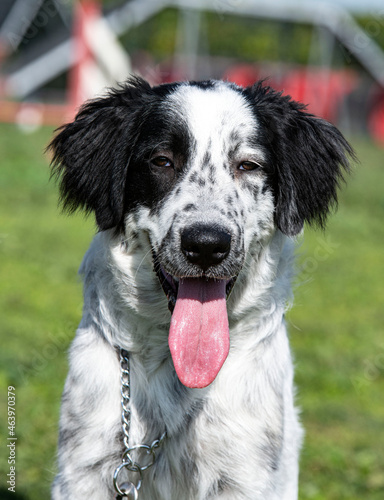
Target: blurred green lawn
x=335 y=325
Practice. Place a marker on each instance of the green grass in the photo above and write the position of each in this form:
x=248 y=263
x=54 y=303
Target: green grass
x=336 y=330
x=40 y=304
x=335 y=325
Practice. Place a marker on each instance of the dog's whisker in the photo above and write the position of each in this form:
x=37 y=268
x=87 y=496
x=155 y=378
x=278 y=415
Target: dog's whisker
x=141 y=263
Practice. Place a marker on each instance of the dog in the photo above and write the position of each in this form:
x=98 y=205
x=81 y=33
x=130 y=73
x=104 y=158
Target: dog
x=199 y=190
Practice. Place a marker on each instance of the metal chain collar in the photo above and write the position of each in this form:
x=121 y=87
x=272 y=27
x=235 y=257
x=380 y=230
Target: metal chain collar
x=128 y=489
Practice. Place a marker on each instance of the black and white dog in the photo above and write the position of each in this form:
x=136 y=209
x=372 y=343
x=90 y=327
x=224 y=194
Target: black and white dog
x=198 y=190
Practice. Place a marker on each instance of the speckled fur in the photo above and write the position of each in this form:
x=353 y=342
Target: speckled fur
x=239 y=438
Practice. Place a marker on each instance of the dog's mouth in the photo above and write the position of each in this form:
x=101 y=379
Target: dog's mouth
x=170 y=284
x=199 y=332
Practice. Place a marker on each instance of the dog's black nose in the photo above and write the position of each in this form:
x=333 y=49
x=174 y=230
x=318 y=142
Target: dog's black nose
x=205 y=245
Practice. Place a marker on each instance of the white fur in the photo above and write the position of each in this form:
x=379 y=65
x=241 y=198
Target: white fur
x=238 y=438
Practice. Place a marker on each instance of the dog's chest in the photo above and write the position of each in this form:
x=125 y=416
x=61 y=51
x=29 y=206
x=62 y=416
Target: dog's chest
x=221 y=435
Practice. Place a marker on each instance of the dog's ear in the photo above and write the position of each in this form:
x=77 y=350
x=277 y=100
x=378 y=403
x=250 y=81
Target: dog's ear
x=91 y=154
x=309 y=157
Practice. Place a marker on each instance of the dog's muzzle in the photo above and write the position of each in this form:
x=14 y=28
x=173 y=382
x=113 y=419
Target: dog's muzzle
x=199 y=331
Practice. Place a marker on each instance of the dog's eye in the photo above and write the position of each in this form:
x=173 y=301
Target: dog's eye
x=248 y=166
x=161 y=161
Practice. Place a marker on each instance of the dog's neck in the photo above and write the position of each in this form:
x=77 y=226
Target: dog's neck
x=123 y=315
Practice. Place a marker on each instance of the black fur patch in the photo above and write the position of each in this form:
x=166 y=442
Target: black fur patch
x=96 y=154
x=90 y=155
x=309 y=157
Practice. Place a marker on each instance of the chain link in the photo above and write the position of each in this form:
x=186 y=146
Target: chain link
x=130 y=490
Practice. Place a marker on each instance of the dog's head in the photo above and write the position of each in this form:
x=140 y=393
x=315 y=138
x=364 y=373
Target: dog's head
x=205 y=170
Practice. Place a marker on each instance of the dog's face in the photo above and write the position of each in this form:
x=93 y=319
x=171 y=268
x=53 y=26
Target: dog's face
x=206 y=193
x=207 y=171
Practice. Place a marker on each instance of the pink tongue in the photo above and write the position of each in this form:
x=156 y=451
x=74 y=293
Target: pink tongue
x=199 y=332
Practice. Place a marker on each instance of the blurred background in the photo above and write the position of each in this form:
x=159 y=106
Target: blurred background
x=54 y=54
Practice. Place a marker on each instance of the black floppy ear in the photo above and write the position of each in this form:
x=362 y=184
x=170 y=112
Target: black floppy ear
x=309 y=156
x=91 y=154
